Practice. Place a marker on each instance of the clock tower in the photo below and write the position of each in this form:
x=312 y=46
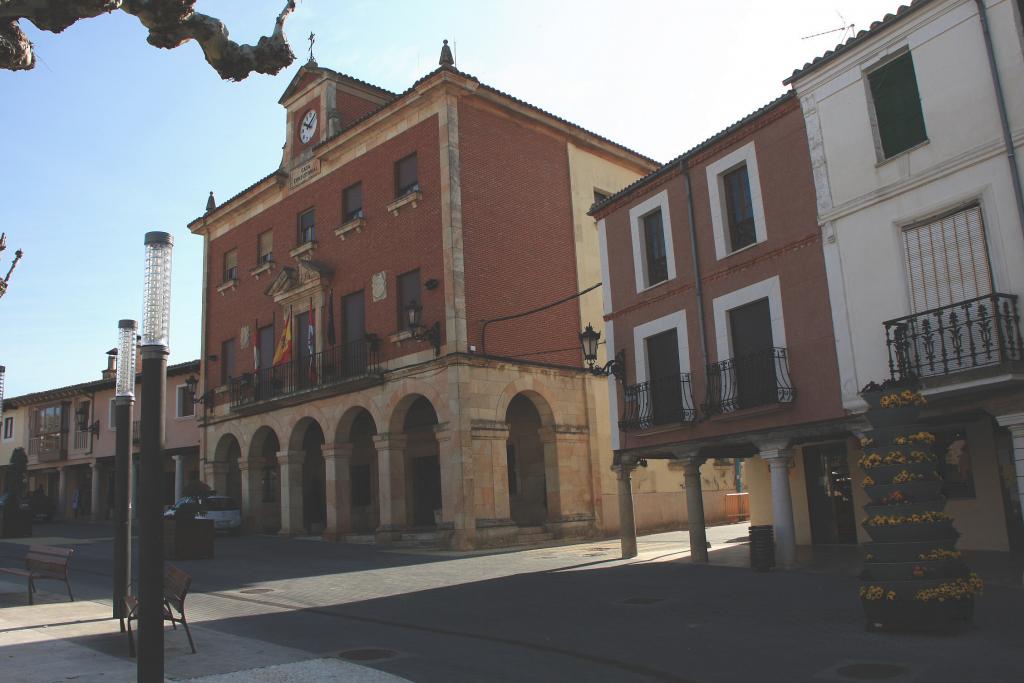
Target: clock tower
x=320 y=103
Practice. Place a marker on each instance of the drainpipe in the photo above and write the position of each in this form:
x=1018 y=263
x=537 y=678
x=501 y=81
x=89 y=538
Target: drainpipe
x=1011 y=156
x=699 y=287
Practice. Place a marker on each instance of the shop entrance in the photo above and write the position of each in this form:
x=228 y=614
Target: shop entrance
x=829 y=494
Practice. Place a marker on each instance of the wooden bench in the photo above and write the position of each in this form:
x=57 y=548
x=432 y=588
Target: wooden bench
x=176 y=586
x=45 y=562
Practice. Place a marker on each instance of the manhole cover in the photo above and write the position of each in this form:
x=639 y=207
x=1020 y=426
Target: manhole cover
x=367 y=654
x=870 y=671
x=255 y=591
x=642 y=601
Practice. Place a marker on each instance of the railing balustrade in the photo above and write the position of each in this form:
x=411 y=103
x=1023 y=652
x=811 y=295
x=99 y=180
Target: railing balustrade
x=757 y=379
x=979 y=332
x=331 y=366
x=663 y=400
x=81 y=439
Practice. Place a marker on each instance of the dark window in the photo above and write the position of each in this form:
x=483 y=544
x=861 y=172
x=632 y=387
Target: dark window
x=231 y=265
x=362 y=490
x=513 y=472
x=750 y=328
x=227 y=361
x=739 y=208
x=8 y=427
x=666 y=389
x=265 y=248
x=307 y=221
x=302 y=335
x=654 y=245
x=406 y=176
x=354 y=331
x=352 y=202
x=897 y=106
x=267 y=346
x=408 y=292
x=186 y=406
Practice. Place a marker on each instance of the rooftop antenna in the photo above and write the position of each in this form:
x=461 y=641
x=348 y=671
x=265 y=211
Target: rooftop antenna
x=844 y=28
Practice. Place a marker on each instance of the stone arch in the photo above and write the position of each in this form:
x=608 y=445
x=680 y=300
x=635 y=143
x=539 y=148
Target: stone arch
x=359 y=497
x=348 y=421
x=307 y=438
x=227 y=473
x=262 y=506
x=531 y=459
x=538 y=393
x=404 y=396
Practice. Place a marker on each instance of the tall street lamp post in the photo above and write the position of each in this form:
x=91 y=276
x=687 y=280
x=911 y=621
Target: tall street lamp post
x=124 y=398
x=155 y=336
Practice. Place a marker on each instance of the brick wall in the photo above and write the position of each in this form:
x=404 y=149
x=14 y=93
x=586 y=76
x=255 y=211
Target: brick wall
x=518 y=236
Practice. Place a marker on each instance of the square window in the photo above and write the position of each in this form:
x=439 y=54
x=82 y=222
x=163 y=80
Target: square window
x=654 y=248
x=897 y=106
x=307 y=222
x=186 y=406
x=739 y=208
x=231 y=265
x=406 y=176
x=408 y=292
x=352 y=203
x=227 y=361
x=265 y=248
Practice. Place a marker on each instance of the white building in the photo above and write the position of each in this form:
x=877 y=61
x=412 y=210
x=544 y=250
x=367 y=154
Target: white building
x=912 y=146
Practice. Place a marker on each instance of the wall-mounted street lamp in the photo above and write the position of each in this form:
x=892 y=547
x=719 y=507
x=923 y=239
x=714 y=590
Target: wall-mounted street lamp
x=589 y=340
x=82 y=420
x=413 y=316
x=156 y=322
x=192 y=384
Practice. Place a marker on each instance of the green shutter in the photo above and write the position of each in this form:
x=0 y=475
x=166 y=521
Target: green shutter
x=897 y=105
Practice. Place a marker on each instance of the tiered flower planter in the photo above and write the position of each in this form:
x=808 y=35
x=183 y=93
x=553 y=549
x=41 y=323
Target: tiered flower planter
x=913 y=575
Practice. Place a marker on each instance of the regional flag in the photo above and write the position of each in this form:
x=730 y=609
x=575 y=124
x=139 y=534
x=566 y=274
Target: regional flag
x=283 y=352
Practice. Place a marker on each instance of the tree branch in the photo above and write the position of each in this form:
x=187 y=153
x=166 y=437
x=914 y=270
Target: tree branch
x=170 y=22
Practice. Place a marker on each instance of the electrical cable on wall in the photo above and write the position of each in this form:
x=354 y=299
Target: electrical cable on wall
x=483 y=329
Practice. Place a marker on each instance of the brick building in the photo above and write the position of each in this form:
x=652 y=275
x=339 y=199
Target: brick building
x=396 y=226
x=716 y=293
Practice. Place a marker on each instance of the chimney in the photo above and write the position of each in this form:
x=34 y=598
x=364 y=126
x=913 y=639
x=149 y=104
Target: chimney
x=111 y=370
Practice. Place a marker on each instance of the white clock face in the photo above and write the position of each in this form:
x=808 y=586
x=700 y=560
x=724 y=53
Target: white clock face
x=308 y=126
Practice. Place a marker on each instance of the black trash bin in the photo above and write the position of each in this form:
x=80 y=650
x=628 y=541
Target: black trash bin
x=762 y=547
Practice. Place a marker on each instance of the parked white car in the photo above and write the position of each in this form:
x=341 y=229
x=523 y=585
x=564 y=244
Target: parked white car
x=223 y=510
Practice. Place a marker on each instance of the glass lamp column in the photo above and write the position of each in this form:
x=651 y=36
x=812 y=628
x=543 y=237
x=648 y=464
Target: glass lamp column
x=155 y=336
x=124 y=398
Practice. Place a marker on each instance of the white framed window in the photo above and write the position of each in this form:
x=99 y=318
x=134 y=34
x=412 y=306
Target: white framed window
x=112 y=415
x=660 y=396
x=8 y=428
x=769 y=289
x=641 y=333
x=737 y=211
x=185 y=406
x=651 y=233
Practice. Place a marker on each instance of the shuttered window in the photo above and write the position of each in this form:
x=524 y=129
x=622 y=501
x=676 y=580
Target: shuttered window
x=897 y=106
x=947 y=260
x=265 y=248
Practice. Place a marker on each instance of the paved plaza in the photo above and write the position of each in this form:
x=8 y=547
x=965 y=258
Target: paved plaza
x=283 y=609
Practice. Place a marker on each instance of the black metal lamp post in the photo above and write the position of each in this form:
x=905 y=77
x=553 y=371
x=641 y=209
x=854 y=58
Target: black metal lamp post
x=192 y=384
x=124 y=399
x=155 y=337
x=82 y=421
x=589 y=341
x=413 y=316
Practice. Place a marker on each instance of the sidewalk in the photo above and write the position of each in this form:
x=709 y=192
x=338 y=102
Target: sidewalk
x=59 y=641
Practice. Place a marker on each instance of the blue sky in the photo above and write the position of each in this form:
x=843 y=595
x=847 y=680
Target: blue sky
x=109 y=138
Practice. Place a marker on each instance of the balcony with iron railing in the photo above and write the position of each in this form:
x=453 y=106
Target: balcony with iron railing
x=979 y=333
x=755 y=380
x=48 y=447
x=658 y=402
x=82 y=439
x=334 y=367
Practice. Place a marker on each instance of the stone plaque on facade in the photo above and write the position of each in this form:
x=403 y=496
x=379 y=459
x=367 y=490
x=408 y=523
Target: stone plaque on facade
x=379 y=286
x=243 y=337
x=308 y=170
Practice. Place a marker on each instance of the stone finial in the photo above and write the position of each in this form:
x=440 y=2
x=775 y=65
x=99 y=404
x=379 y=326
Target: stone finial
x=211 y=203
x=446 y=56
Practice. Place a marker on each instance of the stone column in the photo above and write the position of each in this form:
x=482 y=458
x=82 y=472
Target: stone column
x=566 y=468
x=218 y=476
x=252 y=493
x=179 y=476
x=291 y=491
x=62 y=492
x=458 y=497
x=391 y=483
x=695 y=509
x=338 y=464
x=778 y=460
x=627 y=522
x=94 y=499
x=489 y=472
x=1015 y=423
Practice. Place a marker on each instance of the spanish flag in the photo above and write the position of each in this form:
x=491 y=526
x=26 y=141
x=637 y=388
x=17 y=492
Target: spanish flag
x=283 y=352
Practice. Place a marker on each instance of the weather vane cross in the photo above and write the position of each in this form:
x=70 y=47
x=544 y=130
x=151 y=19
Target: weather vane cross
x=312 y=39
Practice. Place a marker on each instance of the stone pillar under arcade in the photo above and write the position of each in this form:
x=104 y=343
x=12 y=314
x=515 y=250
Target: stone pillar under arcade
x=252 y=493
x=62 y=492
x=291 y=491
x=627 y=521
x=783 y=526
x=570 y=499
x=338 y=463
x=695 y=509
x=494 y=525
x=391 y=482
x=97 y=472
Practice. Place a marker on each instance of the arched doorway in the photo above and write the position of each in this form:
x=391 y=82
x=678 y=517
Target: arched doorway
x=423 y=464
x=364 y=491
x=227 y=476
x=308 y=437
x=527 y=477
x=265 y=482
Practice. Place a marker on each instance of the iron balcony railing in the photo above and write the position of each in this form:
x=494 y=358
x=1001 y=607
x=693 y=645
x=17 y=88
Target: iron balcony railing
x=49 y=447
x=82 y=439
x=332 y=366
x=975 y=333
x=660 y=401
x=758 y=379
